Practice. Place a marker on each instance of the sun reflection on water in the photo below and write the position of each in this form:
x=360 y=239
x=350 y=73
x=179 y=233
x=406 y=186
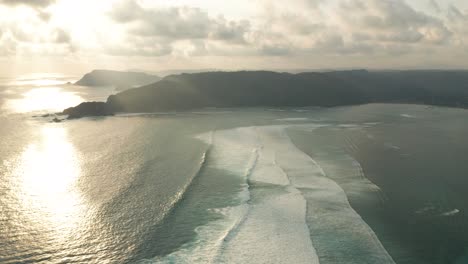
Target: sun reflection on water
x=51 y=98
x=37 y=82
x=48 y=171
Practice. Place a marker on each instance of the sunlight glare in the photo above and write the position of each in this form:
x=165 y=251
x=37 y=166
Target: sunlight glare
x=48 y=171
x=53 y=99
x=37 y=82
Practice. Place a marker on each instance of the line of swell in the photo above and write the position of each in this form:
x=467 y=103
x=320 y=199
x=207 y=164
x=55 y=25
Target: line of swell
x=382 y=196
x=231 y=233
x=291 y=184
x=201 y=165
x=248 y=173
x=181 y=194
x=369 y=230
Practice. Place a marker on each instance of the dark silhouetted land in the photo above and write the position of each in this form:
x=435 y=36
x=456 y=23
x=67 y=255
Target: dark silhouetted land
x=273 y=89
x=121 y=80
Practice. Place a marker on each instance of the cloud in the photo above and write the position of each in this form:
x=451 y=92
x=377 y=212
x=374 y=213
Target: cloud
x=230 y=31
x=458 y=21
x=456 y=15
x=60 y=36
x=344 y=30
x=435 y=6
x=33 y=36
x=127 y=11
x=139 y=46
x=177 y=23
x=393 y=21
x=165 y=30
x=7 y=44
x=314 y=3
x=41 y=34
x=39 y=6
x=349 y=27
x=32 y=3
x=275 y=50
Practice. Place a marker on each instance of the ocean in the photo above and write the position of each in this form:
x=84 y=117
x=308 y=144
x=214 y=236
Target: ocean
x=376 y=183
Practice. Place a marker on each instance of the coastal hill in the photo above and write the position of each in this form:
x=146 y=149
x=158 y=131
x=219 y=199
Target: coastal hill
x=121 y=80
x=430 y=87
x=263 y=88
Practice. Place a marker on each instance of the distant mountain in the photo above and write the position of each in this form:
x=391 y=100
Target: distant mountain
x=180 y=71
x=264 y=88
x=121 y=80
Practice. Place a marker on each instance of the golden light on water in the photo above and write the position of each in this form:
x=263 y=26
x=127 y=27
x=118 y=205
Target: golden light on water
x=34 y=82
x=53 y=99
x=47 y=172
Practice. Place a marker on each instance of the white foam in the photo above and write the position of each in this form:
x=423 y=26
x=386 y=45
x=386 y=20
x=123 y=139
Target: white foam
x=309 y=127
x=349 y=126
x=425 y=209
x=391 y=146
x=271 y=230
x=267 y=169
x=330 y=215
x=408 y=116
x=210 y=237
x=231 y=150
x=372 y=123
x=451 y=213
x=211 y=112
x=293 y=119
x=434 y=211
x=145 y=114
x=291 y=213
x=274 y=231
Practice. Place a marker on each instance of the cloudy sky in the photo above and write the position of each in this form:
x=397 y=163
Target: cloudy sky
x=76 y=36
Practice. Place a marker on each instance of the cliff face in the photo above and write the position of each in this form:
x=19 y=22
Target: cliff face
x=262 y=88
x=121 y=80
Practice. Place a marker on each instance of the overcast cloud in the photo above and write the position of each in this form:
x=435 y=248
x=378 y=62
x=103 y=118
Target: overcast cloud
x=33 y=3
x=396 y=32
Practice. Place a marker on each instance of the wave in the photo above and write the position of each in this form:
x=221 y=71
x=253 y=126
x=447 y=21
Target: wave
x=293 y=119
x=203 y=160
x=329 y=208
x=273 y=229
x=209 y=239
x=180 y=194
x=408 y=116
x=289 y=210
x=451 y=213
x=245 y=194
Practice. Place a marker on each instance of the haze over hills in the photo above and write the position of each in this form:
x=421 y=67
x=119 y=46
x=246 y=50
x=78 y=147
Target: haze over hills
x=264 y=88
x=121 y=80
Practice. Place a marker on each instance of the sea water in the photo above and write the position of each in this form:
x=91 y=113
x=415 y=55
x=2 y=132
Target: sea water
x=360 y=184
